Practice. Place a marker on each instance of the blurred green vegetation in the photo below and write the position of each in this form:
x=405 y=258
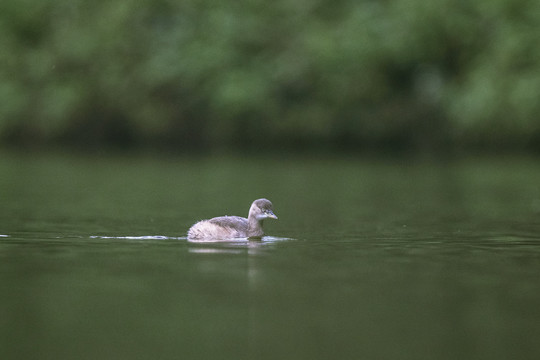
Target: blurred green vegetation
x=251 y=74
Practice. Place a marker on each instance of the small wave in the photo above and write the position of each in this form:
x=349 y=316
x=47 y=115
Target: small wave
x=276 y=239
x=215 y=251
x=265 y=239
x=147 y=237
x=4 y=235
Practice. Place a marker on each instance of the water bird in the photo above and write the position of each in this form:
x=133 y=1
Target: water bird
x=231 y=227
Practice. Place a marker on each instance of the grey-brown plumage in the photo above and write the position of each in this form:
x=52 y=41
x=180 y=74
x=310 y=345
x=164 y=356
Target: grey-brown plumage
x=230 y=227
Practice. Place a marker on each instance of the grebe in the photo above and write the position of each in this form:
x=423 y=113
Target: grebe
x=230 y=227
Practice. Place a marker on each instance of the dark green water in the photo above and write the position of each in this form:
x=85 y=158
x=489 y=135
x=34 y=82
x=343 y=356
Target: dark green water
x=386 y=260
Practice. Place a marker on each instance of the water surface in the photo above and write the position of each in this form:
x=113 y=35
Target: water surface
x=368 y=260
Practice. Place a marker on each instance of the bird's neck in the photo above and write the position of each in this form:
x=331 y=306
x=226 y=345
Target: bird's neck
x=255 y=227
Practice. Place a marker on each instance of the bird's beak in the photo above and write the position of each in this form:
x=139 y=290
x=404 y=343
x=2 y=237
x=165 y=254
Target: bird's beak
x=271 y=215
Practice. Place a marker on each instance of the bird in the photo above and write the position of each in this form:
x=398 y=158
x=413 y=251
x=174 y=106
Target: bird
x=232 y=227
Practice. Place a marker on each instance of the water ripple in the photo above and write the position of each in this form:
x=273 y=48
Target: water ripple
x=146 y=237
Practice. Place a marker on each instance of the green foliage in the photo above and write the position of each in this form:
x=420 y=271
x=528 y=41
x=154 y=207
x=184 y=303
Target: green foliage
x=251 y=73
